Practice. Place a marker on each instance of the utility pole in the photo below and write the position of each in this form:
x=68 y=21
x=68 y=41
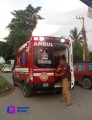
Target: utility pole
x=84 y=43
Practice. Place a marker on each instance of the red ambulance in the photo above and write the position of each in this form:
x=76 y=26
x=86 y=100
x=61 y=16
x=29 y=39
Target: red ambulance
x=36 y=61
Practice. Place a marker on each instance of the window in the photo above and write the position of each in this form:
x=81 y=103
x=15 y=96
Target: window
x=81 y=68
x=43 y=57
x=60 y=50
x=90 y=66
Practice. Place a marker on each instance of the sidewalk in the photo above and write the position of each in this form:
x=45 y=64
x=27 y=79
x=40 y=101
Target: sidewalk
x=7 y=88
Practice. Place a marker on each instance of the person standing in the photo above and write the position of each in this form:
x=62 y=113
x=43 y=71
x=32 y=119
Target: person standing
x=65 y=79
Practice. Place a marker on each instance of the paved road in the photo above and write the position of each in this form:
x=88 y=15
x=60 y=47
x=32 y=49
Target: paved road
x=47 y=106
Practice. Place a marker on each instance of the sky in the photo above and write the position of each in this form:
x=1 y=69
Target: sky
x=60 y=17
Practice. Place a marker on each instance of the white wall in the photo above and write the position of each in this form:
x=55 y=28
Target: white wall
x=2 y=60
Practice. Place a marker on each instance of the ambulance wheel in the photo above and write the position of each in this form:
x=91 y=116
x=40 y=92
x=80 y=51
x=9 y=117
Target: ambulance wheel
x=58 y=91
x=27 y=91
x=15 y=85
x=87 y=83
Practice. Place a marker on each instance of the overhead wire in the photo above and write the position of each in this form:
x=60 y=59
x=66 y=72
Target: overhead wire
x=53 y=11
x=65 y=25
x=59 y=14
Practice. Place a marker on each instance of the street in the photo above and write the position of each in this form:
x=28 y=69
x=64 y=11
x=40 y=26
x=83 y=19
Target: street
x=47 y=106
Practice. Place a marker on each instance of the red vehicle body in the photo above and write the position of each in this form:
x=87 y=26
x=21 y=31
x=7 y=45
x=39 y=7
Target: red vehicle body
x=83 y=74
x=35 y=64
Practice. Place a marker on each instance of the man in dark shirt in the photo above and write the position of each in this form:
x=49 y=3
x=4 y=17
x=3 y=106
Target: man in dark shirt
x=65 y=78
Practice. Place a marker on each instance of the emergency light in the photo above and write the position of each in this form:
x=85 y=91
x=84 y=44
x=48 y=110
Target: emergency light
x=62 y=40
x=41 y=38
x=48 y=39
x=38 y=38
x=35 y=38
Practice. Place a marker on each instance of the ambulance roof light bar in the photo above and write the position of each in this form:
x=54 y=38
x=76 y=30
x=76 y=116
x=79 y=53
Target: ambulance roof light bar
x=41 y=38
x=38 y=38
x=62 y=39
x=35 y=38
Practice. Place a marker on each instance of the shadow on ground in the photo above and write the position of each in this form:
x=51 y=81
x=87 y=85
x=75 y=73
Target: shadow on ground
x=8 y=91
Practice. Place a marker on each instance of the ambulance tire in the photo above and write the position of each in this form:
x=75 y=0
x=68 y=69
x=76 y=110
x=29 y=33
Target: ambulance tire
x=87 y=83
x=15 y=85
x=58 y=91
x=27 y=91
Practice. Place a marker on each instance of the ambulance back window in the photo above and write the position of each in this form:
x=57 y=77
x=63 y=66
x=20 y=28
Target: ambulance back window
x=43 y=57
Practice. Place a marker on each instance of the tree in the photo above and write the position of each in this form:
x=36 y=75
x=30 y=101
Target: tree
x=21 y=27
x=90 y=54
x=75 y=36
x=25 y=19
x=6 y=50
x=77 y=47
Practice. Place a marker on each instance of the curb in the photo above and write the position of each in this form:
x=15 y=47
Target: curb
x=5 y=89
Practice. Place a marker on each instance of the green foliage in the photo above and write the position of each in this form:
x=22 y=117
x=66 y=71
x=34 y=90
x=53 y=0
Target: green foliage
x=90 y=56
x=20 y=27
x=74 y=35
x=77 y=53
x=77 y=47
x=2 y=83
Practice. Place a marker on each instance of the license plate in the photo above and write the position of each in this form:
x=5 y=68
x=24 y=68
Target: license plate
x=45 y=84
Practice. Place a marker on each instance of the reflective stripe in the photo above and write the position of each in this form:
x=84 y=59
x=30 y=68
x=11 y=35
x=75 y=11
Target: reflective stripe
x=34 y=74
x=21 y=69
x=31 y=77
x=38 y=74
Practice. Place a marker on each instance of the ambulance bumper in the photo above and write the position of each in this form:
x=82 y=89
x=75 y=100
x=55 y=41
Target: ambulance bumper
x=47 y=86
x=44 y=86
x=58 y=85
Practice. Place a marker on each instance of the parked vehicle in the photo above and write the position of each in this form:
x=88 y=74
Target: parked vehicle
x=10 y=63
x=2 y=60
x=35 y=63
x=6 y=68
x=83 y=74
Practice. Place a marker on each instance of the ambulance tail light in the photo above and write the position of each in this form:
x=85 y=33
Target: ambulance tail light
x=31 y=74
x=31 y=71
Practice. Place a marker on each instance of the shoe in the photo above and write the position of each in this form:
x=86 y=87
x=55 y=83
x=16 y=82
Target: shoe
x=68 y=103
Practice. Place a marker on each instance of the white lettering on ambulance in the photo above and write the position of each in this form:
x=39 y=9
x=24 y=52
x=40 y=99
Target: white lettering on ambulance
x=35 y=44
x=40 y=44
x=43 y=44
